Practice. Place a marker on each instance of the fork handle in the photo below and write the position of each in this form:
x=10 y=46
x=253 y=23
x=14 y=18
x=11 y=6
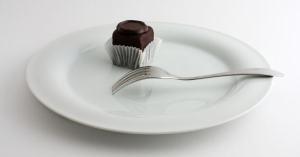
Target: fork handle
x=263 y=72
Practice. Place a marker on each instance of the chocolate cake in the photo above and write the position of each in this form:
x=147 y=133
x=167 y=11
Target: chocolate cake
x=133 y=33
x=132 y=44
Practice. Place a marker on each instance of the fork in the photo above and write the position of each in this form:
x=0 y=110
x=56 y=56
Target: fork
x=153 y=72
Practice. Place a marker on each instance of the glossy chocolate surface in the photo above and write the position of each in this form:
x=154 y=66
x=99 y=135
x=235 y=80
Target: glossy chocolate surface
x=133 y=33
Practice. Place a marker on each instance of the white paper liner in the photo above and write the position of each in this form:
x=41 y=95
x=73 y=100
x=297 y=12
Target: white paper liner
x=132 y=57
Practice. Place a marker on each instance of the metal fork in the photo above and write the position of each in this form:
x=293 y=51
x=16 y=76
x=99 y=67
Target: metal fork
x=152 y=72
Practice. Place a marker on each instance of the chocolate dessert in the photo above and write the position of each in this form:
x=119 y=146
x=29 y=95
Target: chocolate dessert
x=133 y=33
x=132 y=44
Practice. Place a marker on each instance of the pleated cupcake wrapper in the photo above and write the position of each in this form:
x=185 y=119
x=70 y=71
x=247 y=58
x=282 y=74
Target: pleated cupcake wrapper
x=132 y=57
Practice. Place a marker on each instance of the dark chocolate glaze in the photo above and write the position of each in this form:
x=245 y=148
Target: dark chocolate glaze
x=133 y=33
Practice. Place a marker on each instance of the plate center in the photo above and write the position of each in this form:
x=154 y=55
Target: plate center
x=92 y=75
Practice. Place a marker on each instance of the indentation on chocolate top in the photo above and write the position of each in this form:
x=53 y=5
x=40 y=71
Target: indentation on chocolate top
x=132 y=27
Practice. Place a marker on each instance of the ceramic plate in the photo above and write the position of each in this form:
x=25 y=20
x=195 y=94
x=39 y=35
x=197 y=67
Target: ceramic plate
x=73 y=76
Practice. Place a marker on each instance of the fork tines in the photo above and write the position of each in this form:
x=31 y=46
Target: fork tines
x=130 y=77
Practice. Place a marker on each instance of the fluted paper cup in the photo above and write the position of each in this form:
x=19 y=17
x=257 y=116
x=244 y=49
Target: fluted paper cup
x=132 y=57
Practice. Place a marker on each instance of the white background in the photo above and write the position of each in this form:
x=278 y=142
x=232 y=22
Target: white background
x=270 y=26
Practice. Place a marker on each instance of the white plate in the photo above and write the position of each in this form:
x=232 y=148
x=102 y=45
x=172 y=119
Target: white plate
x=73 y=76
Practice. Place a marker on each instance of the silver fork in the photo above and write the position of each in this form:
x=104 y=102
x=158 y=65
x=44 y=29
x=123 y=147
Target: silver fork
x=152 y=72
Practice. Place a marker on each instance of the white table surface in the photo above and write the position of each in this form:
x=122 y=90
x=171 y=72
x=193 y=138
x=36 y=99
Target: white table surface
x=29 y=129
